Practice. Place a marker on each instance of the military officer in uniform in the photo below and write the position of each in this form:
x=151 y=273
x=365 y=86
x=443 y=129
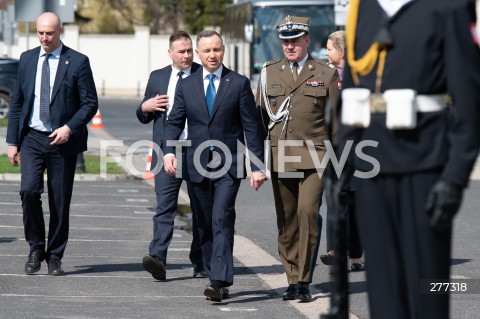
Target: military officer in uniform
x=291 y=97
x=406 y=55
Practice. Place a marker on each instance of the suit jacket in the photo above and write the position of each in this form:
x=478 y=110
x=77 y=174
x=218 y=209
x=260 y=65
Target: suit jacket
x=316 y=83
x=73 y=101
x=233 y=117
x=157 y=84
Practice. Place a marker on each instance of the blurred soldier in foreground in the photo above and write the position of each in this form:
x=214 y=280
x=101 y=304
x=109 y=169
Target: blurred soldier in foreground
x=403 y=57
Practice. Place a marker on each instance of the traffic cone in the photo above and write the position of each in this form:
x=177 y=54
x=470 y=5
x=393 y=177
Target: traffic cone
x=97 y=120
x=148 y=174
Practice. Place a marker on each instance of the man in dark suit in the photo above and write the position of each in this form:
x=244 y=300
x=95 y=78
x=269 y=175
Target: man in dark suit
x=54 y=100
x=159 y=96
x=219 y=106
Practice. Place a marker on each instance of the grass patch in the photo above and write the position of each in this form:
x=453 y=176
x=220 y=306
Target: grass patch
x=4 y=122
x=92 y=166
x=6 y=167
x=183 y=210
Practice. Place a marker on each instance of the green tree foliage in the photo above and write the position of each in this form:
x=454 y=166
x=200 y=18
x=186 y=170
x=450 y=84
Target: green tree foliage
x=110 y=24
x=203 y=13
x=162 y=16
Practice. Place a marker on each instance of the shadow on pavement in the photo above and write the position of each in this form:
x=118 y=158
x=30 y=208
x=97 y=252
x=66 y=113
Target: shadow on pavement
x=7 y=239
x=353 y=287
x=107 y=268
x=458 y=261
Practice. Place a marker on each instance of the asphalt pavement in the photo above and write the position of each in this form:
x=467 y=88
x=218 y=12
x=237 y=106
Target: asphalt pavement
x=109 y=233
x=111 y=227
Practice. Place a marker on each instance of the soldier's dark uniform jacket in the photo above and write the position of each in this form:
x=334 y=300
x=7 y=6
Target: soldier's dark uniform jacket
x=431 y=49
x=433 y=53
x=317 y=82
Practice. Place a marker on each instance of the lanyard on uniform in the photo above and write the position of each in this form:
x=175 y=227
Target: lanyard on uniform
x=377 y=51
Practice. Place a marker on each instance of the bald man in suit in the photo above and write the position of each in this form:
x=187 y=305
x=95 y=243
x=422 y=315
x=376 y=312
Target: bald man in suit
x=54 y=100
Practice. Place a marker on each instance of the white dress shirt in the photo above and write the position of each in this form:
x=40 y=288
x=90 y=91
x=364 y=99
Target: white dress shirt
x=300 y=64
x=34 y=121
x=392 y=6
x=216 y=79
x=172 y=84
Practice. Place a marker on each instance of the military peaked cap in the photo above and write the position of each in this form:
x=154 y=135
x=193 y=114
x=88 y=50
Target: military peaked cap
x=293 y=27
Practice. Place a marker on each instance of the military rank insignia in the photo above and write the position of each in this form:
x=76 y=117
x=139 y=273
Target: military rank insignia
x=315 y=83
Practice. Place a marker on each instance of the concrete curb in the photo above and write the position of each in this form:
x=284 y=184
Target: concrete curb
x=253 y=256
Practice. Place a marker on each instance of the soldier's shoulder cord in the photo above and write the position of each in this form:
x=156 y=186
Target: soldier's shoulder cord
x=323 y=63
x=269 y=63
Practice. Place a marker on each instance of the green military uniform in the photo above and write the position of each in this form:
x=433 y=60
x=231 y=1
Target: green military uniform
x=308 y=95
x=302 y=103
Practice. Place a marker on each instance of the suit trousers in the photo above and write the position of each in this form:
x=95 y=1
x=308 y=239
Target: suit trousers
x=37 y=155
x=214 y=202
x=296 y=204
x=401 y=248
x=167 y=188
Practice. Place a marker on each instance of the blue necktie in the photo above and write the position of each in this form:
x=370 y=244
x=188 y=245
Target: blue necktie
x=45 y=90
x=210 y=96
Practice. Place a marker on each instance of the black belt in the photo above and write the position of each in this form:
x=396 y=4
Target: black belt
x=40 y=132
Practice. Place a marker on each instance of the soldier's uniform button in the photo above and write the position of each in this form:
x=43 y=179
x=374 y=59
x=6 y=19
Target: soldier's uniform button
x=290 y=118
x=290 y=130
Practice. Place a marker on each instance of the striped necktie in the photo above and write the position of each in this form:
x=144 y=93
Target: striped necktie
x=45 y=90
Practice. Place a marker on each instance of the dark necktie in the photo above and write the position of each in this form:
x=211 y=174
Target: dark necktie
x=180 y=74
x=210 y=96
x=295 y=71
x=45 y=90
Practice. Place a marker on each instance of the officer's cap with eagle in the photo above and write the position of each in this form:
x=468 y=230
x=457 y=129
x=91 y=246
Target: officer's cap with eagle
x=293 y=27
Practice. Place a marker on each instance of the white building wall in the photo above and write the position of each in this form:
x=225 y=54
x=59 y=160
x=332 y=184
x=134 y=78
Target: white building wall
x=121 y=64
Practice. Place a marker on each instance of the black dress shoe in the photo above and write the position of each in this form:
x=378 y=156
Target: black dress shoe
x=199 y=272
x=34 y=261
x=357 y=267
x=327 y=259
x=304 y=293
x=55 y=267
x=291 y=293
x=155 y=266
x=216 y=292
